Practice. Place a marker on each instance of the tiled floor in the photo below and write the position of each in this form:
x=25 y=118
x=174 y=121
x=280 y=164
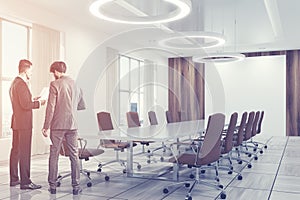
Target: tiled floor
x=275 y=176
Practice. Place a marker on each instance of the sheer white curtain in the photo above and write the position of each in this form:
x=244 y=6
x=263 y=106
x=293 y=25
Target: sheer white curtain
x=46 y=45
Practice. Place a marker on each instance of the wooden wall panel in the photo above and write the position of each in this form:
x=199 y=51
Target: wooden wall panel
x=293 y=92
x=186 y=88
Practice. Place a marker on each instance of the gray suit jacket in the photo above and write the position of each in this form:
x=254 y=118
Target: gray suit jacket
x=65 y=98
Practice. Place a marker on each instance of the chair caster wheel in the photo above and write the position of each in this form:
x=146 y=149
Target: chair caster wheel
x=89 y=184
x=187 y=185
x=240 y=177
x=139 y=167
x=188 y=198
x=165 y=191
x=230 y=172
x=192 y=176
x=148 y=161
x=202 y=171
x=261 y=152
x=99 y=170
x=249 y=165
x=223 y=195
x=148 y=151
x=255 y=158
x=161 y=159
x=266 y=146
x=124 y=171
x=254 y=150
x=58 y=184
x=249 y=155
x=88 y=173
x=240 y=162
x=221 y=186
x=217 y=179
x=106 y=178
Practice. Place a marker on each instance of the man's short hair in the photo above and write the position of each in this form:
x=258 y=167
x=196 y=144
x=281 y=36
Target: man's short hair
x=23 y=65
x=58 y=66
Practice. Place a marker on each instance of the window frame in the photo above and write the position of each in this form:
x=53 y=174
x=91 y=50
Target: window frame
x=3 y=133
x=130 y=91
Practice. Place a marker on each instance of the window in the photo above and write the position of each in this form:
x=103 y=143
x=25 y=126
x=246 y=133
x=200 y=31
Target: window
x=131 y=92
x=15 y=45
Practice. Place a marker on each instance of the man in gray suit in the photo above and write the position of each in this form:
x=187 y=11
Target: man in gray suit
x=65 y=98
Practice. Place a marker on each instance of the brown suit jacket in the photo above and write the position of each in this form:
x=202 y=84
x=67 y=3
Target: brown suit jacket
x=22 y=105
x=65 y=98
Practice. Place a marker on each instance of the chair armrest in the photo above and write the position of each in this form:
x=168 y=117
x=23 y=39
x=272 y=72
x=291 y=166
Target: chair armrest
x=82 y=144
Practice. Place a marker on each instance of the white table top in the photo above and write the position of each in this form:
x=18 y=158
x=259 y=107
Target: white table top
x=156 y=132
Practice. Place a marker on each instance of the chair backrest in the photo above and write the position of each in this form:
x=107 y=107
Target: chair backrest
x=133 y=119
x=210 y=150
x=104 y=121
x=260 y=122
x=241 y=129
x=172 y=117
x=248 y=128
x=104 y=124
x=255 y=123
x=152 y=118
x=228 y=140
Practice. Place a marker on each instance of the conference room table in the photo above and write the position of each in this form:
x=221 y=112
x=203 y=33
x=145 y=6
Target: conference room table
x=157 y=133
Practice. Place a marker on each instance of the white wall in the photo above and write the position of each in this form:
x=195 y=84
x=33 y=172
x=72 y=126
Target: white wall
x=257 y=83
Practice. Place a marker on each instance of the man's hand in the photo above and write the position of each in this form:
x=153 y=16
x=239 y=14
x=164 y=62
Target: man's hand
x=44 y=132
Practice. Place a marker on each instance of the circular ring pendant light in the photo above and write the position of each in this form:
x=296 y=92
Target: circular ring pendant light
x=193 y=40
x=218 y=58
x=183 y=8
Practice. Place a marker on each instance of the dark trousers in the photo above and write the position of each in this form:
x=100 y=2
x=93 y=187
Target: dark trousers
x=20 y=156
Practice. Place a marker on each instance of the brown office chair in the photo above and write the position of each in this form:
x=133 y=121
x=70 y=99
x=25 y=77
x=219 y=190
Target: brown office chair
x=259 y=128
x=84 y=153
x=105 y=123
x=250 y=132
x=152 y=118
x=207 y=153
x=153 y=121
x=238 y=138
x=258 y=131
x=134 y=121
x=227 y=144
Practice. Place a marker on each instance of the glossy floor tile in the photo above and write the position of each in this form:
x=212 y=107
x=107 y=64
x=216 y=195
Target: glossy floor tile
x=275 y=175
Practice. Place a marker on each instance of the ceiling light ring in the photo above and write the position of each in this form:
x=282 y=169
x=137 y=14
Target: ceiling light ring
x=218 y=58
x=217 y=40
x=183 y=9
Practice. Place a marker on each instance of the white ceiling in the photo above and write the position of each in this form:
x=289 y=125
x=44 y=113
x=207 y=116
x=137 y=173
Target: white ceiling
x=261 y=25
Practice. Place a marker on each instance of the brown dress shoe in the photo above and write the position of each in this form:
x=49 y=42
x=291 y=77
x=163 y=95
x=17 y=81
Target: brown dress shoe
x=30 y=186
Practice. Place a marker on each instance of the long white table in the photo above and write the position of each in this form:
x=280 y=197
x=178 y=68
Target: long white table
x=157 y=133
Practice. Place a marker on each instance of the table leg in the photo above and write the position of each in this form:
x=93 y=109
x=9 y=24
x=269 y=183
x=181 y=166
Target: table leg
x=129 y=167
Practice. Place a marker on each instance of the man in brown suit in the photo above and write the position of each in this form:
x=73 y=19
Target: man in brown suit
x=21 y=125
x=65 y=98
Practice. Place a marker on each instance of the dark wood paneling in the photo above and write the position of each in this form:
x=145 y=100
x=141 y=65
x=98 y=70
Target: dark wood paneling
x=293 y=92
x=267 y=53
x=186 y=88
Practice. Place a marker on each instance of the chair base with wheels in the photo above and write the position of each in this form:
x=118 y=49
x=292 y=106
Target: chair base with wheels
x=83 y=154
